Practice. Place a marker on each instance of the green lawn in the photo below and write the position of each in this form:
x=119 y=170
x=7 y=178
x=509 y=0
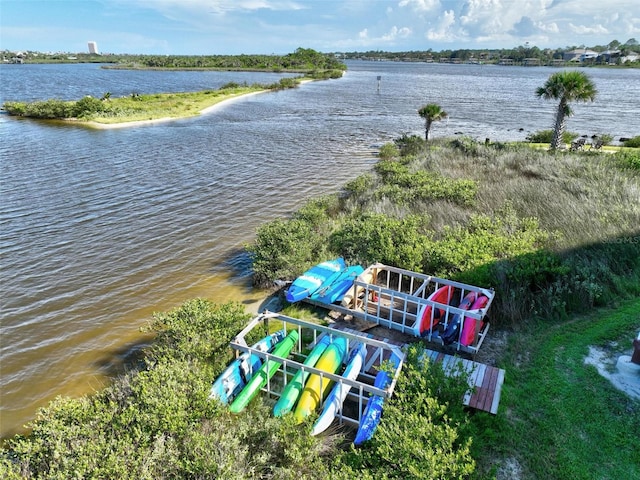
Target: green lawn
x=559 y=418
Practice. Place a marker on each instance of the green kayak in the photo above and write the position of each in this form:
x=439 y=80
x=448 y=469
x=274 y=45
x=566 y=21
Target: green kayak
x=266 y=371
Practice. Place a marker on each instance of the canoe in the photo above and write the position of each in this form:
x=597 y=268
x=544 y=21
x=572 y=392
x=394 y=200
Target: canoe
x=431 y=316
x=452 y=331
x=339 y=392
x=291 y=392
x=336 y=290
x=316 y=277
x=316 y=387
x=233 y=379
x=471 y=326
x=373 y=411
x=264 y=373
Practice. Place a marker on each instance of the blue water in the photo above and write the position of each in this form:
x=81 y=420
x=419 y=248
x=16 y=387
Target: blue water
x=101 y=228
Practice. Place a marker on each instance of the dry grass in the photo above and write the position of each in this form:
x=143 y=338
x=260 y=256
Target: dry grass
x=583 y=195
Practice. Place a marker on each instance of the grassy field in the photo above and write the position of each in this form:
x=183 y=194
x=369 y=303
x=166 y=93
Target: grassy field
x=559 y=418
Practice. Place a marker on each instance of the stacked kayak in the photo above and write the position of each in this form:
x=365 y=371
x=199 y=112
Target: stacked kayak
x=290 y=394
x=373 y=411
x=431 y=316
x=315 y=278
x=317 y=386
x=264 y=373
x=337 y=396
x=336 y=290
x=239 y=372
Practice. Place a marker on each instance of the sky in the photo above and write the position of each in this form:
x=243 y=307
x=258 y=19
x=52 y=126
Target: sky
x=232 y=27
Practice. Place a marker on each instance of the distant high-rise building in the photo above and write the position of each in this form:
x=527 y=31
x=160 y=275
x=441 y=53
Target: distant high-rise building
x=93 y=48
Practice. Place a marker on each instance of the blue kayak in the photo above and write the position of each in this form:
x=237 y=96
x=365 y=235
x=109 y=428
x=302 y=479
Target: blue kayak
x=315 y=278
x=230 y=382
x=334 y=292
x=373 y=410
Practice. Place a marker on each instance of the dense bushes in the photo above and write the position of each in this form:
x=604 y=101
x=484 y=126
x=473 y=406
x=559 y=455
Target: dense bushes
x=424 y=433
x=159 y=422
x=513 y=219
x=51 y=109
x=632 y=142
x=545 y=136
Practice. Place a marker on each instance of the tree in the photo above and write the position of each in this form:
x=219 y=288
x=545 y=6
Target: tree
x=566 y=86
x=431 y=113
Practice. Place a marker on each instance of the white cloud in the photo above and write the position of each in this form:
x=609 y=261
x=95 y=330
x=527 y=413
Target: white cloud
x=396 y=33
x=219 y=7
x=420 y=5
x=443 y=32
x=587 y=30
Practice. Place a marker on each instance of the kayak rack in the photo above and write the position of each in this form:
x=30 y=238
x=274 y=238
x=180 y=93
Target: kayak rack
x=395 y=298
x=378 y=352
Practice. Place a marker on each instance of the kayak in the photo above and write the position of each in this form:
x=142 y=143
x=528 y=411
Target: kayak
x=264 y=373
x=233 y=379
x=452 y=331
x=373 y=410
x=316 y=386
x=316 y=277
x=338 y=288
x=339 y=392
x=471 y=326
x=291 y=392
x=430 y=315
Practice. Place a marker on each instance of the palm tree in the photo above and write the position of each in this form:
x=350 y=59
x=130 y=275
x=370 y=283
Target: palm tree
x=567 y=86
x=431 y=113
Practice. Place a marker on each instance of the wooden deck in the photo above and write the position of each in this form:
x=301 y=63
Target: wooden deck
x=485 y=381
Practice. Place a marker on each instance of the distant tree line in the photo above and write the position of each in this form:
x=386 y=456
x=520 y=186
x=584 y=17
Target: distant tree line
x=518 y=54
x=302 y=60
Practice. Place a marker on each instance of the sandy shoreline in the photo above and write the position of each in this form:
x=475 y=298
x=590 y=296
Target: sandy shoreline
x=136 y=123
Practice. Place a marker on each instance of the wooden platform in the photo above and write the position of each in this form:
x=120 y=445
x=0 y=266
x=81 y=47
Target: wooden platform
x=485 y=381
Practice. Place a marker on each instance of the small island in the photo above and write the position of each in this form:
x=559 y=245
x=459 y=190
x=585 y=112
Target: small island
x=136 y=108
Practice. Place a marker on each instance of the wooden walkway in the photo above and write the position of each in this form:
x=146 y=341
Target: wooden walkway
x=485 y=381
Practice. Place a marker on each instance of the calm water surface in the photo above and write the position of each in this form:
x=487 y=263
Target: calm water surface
x=101 y=228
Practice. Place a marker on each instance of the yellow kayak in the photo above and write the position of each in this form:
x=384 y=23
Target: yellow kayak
x=317 y=387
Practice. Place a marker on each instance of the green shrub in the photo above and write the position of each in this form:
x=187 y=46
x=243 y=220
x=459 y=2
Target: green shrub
x=88 y=106
x=283 y=249
x=545 y=136
x=628 y=159
x=198 y=329
x=482 y=241
x=410 y=144
x=605 y=138
x=632 y=142
x=378 y=238
x=422 y=432
x=359 y=186
x=17 y=109
x=389 y=151
x=47 y=109
x=404 y=187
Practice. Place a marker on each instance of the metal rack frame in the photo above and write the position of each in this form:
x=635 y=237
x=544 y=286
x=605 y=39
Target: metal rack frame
x=362 y=387
x=396 y=296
